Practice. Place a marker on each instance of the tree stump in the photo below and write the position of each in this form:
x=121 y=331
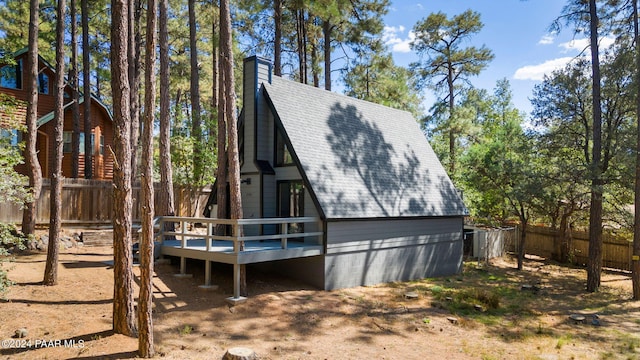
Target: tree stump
x=240 y=353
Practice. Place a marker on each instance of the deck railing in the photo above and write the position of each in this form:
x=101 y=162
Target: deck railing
x=186 y=223
x=187 y=231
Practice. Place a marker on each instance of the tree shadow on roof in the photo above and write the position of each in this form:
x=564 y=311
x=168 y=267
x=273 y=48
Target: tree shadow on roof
x=391 y=178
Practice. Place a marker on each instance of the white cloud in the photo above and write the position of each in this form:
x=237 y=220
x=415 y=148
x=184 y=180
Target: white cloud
x=546 y=40
x=582 y=44
x=537 y=72
x=392 y=36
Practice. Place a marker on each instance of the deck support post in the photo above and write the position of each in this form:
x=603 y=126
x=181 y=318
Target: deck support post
x=207 y=277
x=183 y=269
x=284 y=230
x=236 y=299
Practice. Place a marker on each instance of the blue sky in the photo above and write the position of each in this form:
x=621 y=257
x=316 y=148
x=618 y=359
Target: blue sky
x=516 y=31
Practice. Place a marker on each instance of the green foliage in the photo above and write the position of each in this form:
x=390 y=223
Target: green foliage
x=12 y=184
x=501 y=176
x=382 y=82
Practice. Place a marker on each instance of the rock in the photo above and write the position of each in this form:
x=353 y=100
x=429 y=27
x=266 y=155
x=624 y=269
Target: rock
x=411 y=295
x=577 y=318
x=21 y=333
x=240 y=353
x=478 y=307
x=453 y=320
x=44 y=239
x=41 y=245
x=533 y=288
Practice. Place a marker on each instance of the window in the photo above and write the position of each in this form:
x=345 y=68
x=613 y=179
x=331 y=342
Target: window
x=291 y=203
x=66 y=142
x=101 y=144
x=67 y=139
x=11 y=76
x=283 y=156
x=14 y=136
x=43 y=83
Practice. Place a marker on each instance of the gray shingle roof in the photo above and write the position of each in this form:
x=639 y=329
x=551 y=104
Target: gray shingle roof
x=362 y=160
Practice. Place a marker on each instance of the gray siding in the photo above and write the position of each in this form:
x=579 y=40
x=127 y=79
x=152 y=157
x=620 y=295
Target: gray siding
x=248 y=99
x=377 y=251
x=251 y=202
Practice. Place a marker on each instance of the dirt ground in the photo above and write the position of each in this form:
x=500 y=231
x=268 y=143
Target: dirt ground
x=482 y=313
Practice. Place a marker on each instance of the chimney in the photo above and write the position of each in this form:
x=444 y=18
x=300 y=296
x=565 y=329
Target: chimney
x=256 y=71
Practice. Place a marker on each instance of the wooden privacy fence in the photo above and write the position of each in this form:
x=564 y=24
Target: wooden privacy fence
x=616 y=250
x=90 y=203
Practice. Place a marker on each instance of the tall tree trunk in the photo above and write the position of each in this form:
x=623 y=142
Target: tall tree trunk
x=326 y=31
x=226 y=46
x=635 y=262
x=51 y=267
x=221 y=173
x=31 y=152
x=123 y=312
x=214 y=71
x=314 y=65
x=524 y=221
x=145 y=302
x=165 y=196
x=196 y=121
x=594 y=263
x=277 y=41
x=135 y=9
x=86 y=83
x=73 y=81
x=452 y=136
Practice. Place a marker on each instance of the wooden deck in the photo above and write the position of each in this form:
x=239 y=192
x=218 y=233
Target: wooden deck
x=254 y=252
x=234 y=249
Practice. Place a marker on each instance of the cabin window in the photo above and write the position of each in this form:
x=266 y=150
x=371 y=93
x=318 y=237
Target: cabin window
x=67 y=138
x=43 y=83
x=291 y=203
x=11 y=76
x=101 y=144
x=283 y=155
x=14 y=136
x=66 y=142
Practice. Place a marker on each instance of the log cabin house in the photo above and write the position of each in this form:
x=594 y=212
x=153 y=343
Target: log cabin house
x=13 y=82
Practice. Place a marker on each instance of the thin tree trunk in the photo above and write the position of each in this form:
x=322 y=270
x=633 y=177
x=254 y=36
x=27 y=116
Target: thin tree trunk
x=134 y=76
x=326 y=31
x=594 y=263
x=86 y=83
x=145 y=302
x=232 y=131
x=196 y=121
x=51 y=267
x=277 y=42
x=524 y=221
x=214 y=56
x=31 y=154
x=165 y=196
x=314 y=65
x=221 y=173
x=452 y=136
x=635 y=262
x=123 y=312
x=75 y=107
